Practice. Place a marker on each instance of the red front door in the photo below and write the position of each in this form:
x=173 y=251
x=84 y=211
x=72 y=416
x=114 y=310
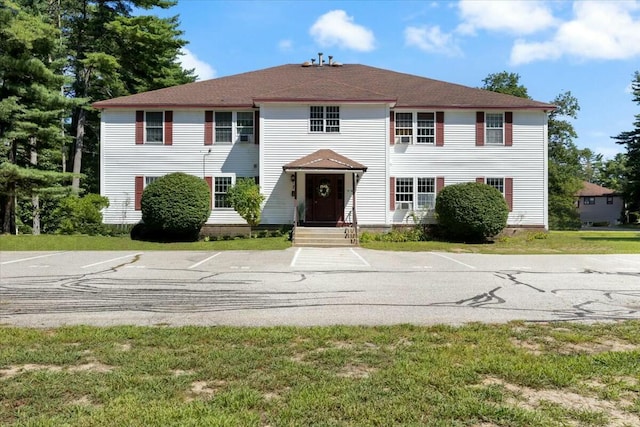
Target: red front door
x=324 y=199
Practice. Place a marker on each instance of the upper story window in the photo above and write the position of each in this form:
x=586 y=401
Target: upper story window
x=589 y=200
x=224 y=126
x=415 y=128
x=154 y=127
x=234 y=126
x=494 y=128
x=609 y=200
x=324 y=119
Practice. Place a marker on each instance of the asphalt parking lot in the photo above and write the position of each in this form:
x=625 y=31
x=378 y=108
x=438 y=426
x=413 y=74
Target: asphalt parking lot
x=312 y=286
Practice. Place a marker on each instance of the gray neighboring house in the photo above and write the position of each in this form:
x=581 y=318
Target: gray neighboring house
x=598 y=204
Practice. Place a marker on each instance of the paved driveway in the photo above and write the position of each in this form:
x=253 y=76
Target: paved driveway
x=311 y=286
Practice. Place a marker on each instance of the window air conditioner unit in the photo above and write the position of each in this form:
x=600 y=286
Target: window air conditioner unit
x=403 y=139
x=245 y=138
x=405 y=206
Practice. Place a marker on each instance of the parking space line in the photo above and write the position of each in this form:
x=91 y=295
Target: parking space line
x=30 y=258
x=364 y=261
x=110 y=260
x=203 y=261
x=454 y=260
x=295 y=257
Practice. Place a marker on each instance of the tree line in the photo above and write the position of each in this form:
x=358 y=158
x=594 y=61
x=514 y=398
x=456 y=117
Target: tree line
x=57 y=57
x=569 y=165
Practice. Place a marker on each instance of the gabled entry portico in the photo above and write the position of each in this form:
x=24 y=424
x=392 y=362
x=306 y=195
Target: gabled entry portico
x=322 y=200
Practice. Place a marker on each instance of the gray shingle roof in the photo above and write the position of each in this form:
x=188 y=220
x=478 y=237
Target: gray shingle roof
x=347 y=83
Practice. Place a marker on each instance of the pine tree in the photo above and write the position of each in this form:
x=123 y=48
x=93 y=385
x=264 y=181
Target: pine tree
x=631 y=139
x=113 y=53
x=31 y=107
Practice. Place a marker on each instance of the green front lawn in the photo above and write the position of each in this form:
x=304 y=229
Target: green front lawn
x=555 y=242
x=49 y=242
x=478 y=375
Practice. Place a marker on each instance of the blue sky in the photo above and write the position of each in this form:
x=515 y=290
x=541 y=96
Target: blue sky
x=591 y=48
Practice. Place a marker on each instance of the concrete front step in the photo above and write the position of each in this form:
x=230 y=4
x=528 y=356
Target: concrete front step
x=324 y=236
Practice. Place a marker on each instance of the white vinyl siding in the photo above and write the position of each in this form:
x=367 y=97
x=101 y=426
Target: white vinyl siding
x=460 y=160
x=363 y=138
x=122 y=161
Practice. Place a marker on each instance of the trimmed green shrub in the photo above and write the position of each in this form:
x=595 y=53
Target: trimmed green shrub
x=471 y=211
x=175 y=206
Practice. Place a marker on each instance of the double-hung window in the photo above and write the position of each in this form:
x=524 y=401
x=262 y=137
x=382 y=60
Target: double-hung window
x=404 y=128
x=497 y=183
x=609 y=200
x=233 y=126
x=426 y=193
x=494 y=128
x=154 y=127
x=324 y=119
x=415 y=193
x=224 y=126
x=220 y=186
x=149 y=179
x=404 y=193
x=244 y=125
x=589 y=200
x=416 y=128
x=426 y=127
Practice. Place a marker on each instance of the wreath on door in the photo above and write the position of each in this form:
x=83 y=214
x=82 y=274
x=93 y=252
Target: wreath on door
x=324 y=189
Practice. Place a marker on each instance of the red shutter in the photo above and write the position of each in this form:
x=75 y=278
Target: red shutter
x=479 y=128
x=508 y=192
x=480 y=180
x=392 y=128
x=138 y=192
x=439 y=184
x=208 y=128
x=508 y=128
x=209 y=181
x=139 y=127
x=256 y=127
x=392 y=193
x=168 y=128
x=439 y=128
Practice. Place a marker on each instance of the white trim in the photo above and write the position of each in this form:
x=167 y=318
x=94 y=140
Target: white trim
x=144 y=128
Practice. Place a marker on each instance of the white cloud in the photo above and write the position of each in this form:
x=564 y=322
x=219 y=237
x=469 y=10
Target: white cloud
x=285 y=45
x=432 y=40
x=189 y=60
x=336 y=28
x=599 y=30
x=516 y=17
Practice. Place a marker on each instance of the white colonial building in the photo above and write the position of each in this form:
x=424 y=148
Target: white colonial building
x=329 y=144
